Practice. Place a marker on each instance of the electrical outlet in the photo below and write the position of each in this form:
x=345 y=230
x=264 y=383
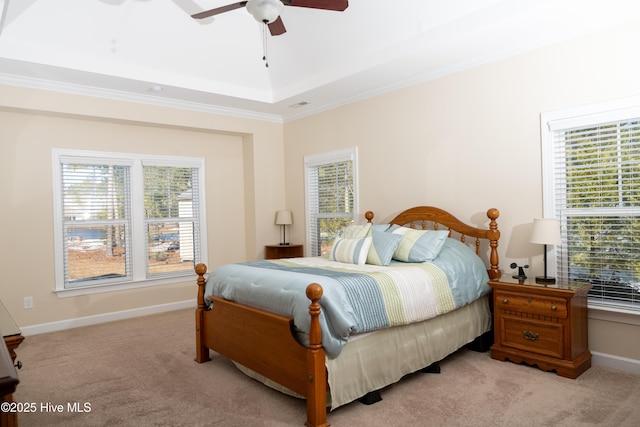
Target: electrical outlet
x=28 y=302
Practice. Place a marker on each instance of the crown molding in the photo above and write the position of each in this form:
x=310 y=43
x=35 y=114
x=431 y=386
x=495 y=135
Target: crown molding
x=49 y=85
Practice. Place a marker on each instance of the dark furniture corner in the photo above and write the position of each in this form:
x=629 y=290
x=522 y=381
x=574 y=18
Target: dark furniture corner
x=283 y=251
x=12 y=337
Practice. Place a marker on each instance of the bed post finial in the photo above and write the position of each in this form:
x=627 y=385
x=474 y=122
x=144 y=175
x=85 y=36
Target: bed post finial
x=201 y=270
x=368 y=216
x=314 y=293
x=493 y=235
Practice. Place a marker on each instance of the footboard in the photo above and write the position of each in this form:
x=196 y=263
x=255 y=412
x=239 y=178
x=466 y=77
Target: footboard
x=264 y=342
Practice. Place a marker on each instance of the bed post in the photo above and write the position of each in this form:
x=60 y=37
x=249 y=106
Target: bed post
x=202 y=352
x=369 y=216
x=493 y=235
x=316 y=370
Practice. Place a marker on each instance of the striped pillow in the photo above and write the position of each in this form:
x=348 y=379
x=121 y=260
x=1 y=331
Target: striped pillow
x=357 y=231
x=352 y=251
x=382 y=248
x=419 y=245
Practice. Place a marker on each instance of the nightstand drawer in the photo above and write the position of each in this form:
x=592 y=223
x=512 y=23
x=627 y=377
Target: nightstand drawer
x=541 y=338
x=533 y=304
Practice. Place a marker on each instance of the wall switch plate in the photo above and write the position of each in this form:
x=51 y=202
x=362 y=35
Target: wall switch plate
x=28 y=302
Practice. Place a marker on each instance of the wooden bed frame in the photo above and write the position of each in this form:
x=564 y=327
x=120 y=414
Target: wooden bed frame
x=265 y=343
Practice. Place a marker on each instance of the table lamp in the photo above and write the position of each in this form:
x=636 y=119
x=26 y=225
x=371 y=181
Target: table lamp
x=546 y=231
x=283 y=218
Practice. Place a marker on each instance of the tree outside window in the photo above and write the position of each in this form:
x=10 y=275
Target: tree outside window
x=331 y=198
x=596 y=194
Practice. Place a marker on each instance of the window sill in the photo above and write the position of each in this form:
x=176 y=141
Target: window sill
x=614 y=313
x=98 y=289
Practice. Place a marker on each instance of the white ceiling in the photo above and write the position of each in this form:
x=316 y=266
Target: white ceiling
x=125 y=48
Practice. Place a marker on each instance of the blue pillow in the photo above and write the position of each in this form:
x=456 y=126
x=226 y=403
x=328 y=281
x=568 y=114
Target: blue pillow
x=418 y=245
x=381 y=227
x=382 y=248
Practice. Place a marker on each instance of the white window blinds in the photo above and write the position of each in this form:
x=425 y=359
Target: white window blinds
x=97 y=222
x=596 y=191
x=171 y=218
x=126 y=219
x=331 y=188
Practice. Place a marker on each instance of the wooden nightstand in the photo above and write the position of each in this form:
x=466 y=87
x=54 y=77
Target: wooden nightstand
x=282 y=251
x=542 y=325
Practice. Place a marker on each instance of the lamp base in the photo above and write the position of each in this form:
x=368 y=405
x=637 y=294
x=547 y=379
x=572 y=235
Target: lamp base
x=545 y=279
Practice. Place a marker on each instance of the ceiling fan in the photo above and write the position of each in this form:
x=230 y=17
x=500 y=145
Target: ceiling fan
x=268 y=11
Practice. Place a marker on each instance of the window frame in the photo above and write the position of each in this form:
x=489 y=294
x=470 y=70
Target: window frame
x=585 y=115
x=138 y=223
x=315 y=160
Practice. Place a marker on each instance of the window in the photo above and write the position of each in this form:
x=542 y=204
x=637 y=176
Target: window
x=126 y=219
x=592 y=184
x=331 y=186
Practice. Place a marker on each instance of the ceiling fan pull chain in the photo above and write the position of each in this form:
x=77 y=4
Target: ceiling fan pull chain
x=264 y=44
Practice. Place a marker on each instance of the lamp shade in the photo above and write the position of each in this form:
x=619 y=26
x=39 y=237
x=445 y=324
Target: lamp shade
x=283 y=218
x=265 y=11
x=545 y=231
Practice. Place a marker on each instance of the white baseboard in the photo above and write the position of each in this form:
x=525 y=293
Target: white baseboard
x=624 y=364
x=106 y=317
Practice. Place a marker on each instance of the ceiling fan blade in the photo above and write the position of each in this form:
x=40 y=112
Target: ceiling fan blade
x=218 y=10
x=277 y=27
x=338 y=5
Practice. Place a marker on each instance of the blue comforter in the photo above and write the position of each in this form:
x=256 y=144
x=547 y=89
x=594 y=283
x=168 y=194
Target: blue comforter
x=356 y=298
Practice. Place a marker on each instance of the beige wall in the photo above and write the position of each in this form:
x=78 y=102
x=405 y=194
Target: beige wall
x=244 y=183
x=466 y=142
x=471 y=141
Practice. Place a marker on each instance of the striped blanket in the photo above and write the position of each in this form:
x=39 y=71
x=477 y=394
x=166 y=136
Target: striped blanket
x=356 y=298
x=395 y=296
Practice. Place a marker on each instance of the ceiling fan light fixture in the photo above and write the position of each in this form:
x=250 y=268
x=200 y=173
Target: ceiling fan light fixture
x=265 y=11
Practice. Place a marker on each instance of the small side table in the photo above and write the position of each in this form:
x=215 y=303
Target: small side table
x=283 y=251
x=542 y=325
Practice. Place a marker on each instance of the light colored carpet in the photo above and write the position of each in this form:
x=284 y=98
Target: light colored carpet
x=141 y=372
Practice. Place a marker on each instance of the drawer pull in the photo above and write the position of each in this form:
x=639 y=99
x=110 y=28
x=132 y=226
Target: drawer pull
x=530 y=335
x=554 y=308
x=505 y=301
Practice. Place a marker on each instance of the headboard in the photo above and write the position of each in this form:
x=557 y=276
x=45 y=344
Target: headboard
x=429 y=217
